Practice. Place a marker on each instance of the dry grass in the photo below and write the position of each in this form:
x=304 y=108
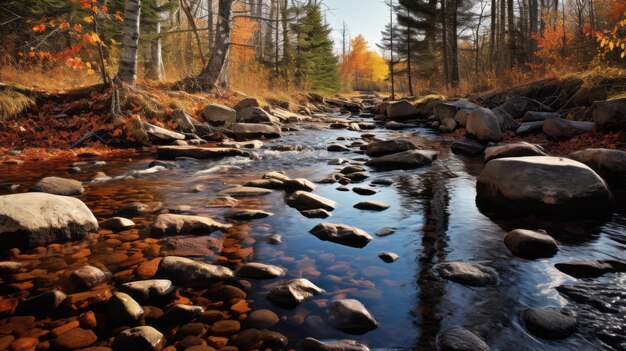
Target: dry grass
x=13 y=103
x=59 y=79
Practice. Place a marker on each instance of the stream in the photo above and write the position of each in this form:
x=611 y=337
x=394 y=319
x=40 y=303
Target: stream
x=436 y=219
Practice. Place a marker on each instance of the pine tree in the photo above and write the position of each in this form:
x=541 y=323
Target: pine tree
x=316 y=64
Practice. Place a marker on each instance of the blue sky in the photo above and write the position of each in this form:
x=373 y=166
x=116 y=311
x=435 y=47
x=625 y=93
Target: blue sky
x=366 y=17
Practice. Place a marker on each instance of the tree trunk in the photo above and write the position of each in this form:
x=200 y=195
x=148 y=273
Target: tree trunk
x=211 y=25
x=409 y=70
x=215 y=74
x=454 y=46
x=156 y=70
x=492 y=38
x=510 y=34
x=533 y=20
x=444 y=44
x=391 y=63
x=127 y=71
x=500 y=63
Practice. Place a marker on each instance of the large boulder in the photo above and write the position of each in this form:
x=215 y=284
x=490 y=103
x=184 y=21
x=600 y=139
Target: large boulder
x=527 y=128
x=214 y=113
x=302 y=201
x=38 y=219
x=255 y=115
x=400 y=110
x=249 y=131
x=505 y=120
x=58 y=186
x=187 y=272
x=513 y=150
x=245 y=103
x=449 y=109
x=387 y=147
x=549 y=323
x=158 y=134
x=460 y=339
x=517 y=106
x=482 y=124
x=168 y=223
x=184 y=121
x=543 y=185
x=403 y=160
x=467 y=147
x=351 y=316
x=173 y=152
x=341 y=234
x=610 y=114
x=562 y=129
x=610 y=164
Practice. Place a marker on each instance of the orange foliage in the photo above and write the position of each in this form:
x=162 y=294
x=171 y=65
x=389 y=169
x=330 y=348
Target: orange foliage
x=362 y=64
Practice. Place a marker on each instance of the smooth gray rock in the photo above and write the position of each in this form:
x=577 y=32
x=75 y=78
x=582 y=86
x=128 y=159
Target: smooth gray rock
x=293 y=292
x=118 y=224
x=187 y=272
x=247 y=214
x=256 y=270
x=563 y=129
x=351 y=316
x=143 y=338
x=58 y=186
x=467 y=147
x=403 y=160
x=123 y=309
x=248 y=131
x=472 y=274
x=146 y=289
x=530 y=244
x=158 y=134
x=371 y=205
x=311 y=344
x=527 y=128
x=549 y=323
x=341 y=234
x=216 y=113
x=513 y=150
x=400 y=109
x=174 y=224
x=387 y=147
x=482 y=124
x=609 y=164
x=302 y=201
x=460 y=339
x=610 y=114
x=88 y=276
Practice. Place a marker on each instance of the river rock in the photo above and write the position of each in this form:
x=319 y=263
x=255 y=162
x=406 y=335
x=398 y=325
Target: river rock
x=467 y=147
x=393 y=125
x=310 y=344
x=460 y=339
x=118 y=224
x=184 y=224
x=549 y=323
x=158 y=134
x=293 y=292
x=197 y=152
x=351 y=316
x=472 y=274
x=591 y=269
x=563 y=129
x=334 y=147
x=58 y=186
x=255 y=339
x=190 y=246
x=403 y=160
x=341 y=234
x=138 y=209
x=530 y=244
x=610 y=164
x=535 y=116
x=371 y=205
x=187 y=272
x=262 y=319
x=363 y=191
x=248 y=131
x=461 y=117
x=449 y=109
x=88 y=276
x=256 y=270
x=245 y=191
x=269 y=183
x=42 y=304
x=255 y=115
x=251 y=144
x=246 y=102
x=517 y=106
x=447 y=125
x=610 y=114
x=505 y=120
x=543 y=185
x=291 y=185
x=247 y=214
x=143 y=338
x=316 y=213
x=181 y=314
x=184 y=121
x=482 y=124
x=302 y=201
x=123 y=309
x=382 y=148
x=146 y=289
x=388 y=257
x=76 y=338
x=37 y=219
x=214 y=113
x=10 y=267
x=400 y=110
x=513 y=150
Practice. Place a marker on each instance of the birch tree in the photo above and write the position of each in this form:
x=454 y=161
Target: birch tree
x=127 y=71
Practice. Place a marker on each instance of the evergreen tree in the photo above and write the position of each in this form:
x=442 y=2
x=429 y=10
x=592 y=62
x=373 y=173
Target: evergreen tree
x=316 y=64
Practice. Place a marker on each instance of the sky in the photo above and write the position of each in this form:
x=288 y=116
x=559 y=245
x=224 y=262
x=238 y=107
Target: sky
x=365 y=17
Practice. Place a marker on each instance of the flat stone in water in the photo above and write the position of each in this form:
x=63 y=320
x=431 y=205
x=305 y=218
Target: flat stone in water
x=123 y=309
x=262 y=319
x=246 y=214
x=591 y=269
x=316 y=213
x=118 y=224
x=530 y=244
x=146 y=289
x=302 y=200
x=58 y=186
x=187 y=272
x=549 y=323
x=385 y=231
x=371 y=205
x=341 y=234
x=75 y=339
x=364 y=191
x=472 y=274
x=245 y=191
x=388 y=257
x=143 y=338
x=185 y=224
x=293 y=292
x=460 y=339
x=311 y=344
x=89 y=276
x=258 y=270
x=351 y=316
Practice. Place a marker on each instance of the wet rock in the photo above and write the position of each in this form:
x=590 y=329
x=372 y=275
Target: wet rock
x=225 y=328
x=403 y=160
x=185 y=224
x=460 y=339
x=147 y=289
x=385 y=231
x=136 y=209
x=88 y=276
x=351 y=316
x=248 y=131
x=123 y=309
x=275 y=239
x=291 y=185
x=269 y=183
x=144 y=338
x=118 y=224
x=175 y=152
x=191 y=246
x=609 y=164
x=535 y=116
x=279 y=175
x=311 y=344
x=58 y=186
x=256 y=270
x=337 y=148
x=447 y=125
x=356 y=176
x=214 y=113
x=482 y=124
x=254 y=339
x=75 y=339
x=166 y=164
x=288 y=147
x=10 y=267
x=187 y=272
x=341 y=234
x=393 y=125
x=262 y=319
x=252 y=144
x=364 y=191
x=255 y=115
x=388 y=147
x=388 y=257
x=184 y=121
x=192 y=329
x=302 y=201
x=449 y=109
x=562 y=129
x=316 y=213
x=549 y=323
x=41 y=305
x=222 y=202
x=610 y=115
x=351 y=169
x=527 y=128
x=293 y=292
x=158 y=134
x=530 y=244
x=513 y=150
x=247 y=214
x=591 y=269
x=537 y=185
x=400 y=110
x=467 y=147
x=382 y=181
x=245 y=191
x=371 y=205
x=472 y=274
x=181 y=314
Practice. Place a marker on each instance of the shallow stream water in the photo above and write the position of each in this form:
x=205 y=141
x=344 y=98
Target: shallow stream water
x=436 y=218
